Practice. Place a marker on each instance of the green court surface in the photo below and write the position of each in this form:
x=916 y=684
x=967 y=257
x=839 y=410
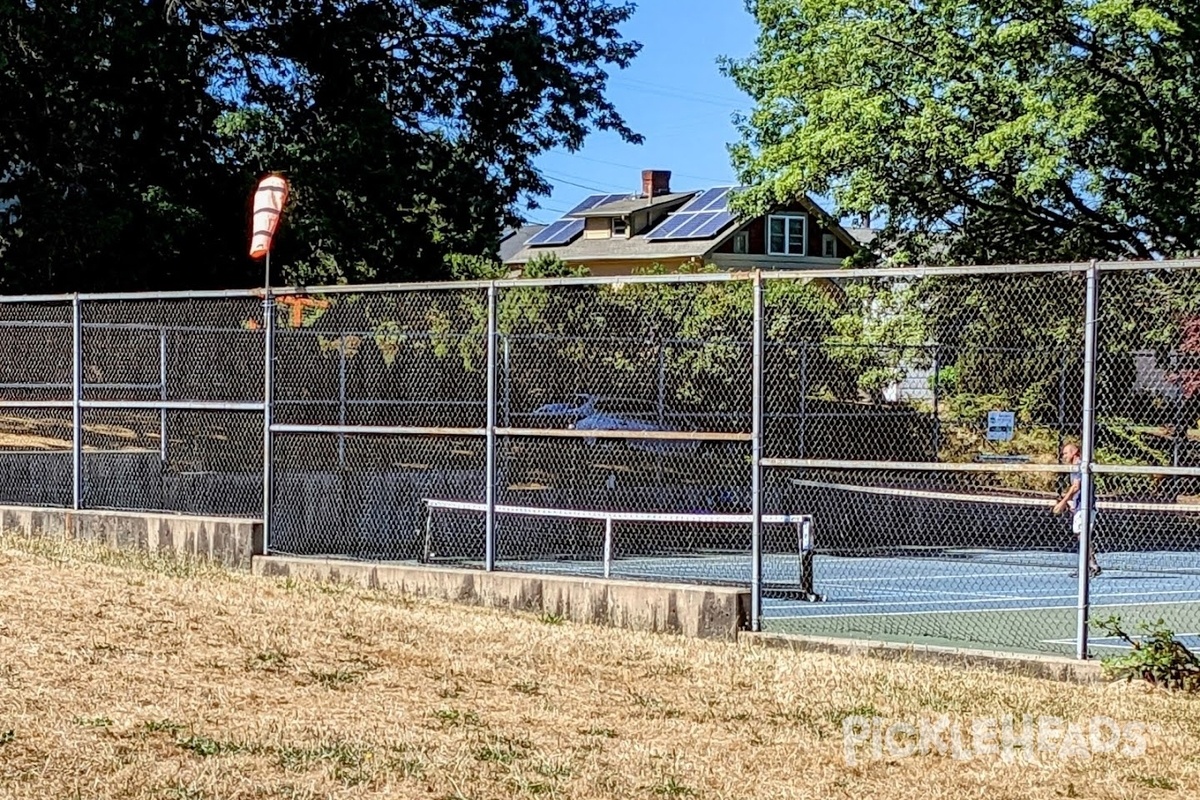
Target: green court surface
x=995 y=603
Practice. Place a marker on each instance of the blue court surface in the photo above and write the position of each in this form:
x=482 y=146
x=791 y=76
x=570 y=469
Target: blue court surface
x=1024 y=601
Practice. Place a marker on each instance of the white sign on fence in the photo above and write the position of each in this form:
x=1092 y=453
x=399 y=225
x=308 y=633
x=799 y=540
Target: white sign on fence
x=1000 y=425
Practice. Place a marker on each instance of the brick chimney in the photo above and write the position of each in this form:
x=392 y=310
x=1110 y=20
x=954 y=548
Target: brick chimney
x=655 y=182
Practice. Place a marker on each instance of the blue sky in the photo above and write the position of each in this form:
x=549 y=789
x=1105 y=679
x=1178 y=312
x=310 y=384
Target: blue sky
x=674 y=95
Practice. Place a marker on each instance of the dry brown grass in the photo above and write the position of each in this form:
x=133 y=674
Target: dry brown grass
x=125 y=676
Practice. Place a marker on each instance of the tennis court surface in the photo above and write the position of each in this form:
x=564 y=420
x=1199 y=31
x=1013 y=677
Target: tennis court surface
x=987 y=601
x=980 y=601
x=941 y=568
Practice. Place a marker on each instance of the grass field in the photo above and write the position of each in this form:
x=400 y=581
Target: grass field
x=125 y=676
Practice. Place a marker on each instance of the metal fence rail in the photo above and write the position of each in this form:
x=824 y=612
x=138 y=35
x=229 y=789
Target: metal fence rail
x=914 y=418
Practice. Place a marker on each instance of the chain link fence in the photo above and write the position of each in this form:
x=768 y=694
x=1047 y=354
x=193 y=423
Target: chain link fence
x=874 y=453
x=36 y=422
x=379 y=406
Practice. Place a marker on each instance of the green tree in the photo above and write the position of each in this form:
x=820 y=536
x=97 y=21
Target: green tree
x=994 y=131
x=107 y=176
x=134 y=133
x=409 y=129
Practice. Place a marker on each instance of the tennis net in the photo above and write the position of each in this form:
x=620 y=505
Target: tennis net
x=712 y=548
x=949 y=523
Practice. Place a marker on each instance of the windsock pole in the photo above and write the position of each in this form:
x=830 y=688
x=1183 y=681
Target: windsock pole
x=269 y=199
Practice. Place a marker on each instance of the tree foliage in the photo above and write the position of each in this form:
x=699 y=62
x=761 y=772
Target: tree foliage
x=106 y=152
x=134 y=133
x=991 y=131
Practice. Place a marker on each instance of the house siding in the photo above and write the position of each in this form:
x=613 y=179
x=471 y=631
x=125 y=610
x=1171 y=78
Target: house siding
x=758 y=242
x=597 y=228
x=757 y=228
x=645 y=220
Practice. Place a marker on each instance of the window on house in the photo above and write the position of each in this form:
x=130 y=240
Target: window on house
x=785 y=234
x=620 y=227
x=829 y=246
x=741 y=242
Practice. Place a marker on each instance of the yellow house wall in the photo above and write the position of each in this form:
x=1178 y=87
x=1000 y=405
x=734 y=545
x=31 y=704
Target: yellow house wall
x=597 y=228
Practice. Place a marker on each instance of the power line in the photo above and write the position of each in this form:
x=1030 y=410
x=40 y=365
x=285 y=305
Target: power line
x=681 y=89
x=566 y=180
x=631 y=166
x=551 y=208
x=678 y=93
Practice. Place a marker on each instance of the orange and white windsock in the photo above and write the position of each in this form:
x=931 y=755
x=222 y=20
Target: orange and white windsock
x=269 y=198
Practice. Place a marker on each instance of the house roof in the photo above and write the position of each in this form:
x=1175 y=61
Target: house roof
x=863 y=236
x=513 y=241
x=638 y=247
x=618 y=248
x=632 y=204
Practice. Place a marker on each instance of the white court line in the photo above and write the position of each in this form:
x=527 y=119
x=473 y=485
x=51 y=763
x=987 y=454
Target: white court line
x=955 y=605
x=942 y=612
x=1047 y=571
x=1097 y=642
x=1097 y=599
x=882 y=592
x=965 y=605
x=959 y=610
x=935 y=592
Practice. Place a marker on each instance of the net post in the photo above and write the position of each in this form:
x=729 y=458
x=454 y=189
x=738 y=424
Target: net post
x=489 y=525
x=608 y=546
x=76 y=403
x=756 y=438
x=1087 y=457
x=806 y=544
x=268 y=496
x=427 y=543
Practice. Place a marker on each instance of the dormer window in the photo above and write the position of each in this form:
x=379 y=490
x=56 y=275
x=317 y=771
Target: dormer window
x=620 y=226
x=741 y=242
x=786 y=234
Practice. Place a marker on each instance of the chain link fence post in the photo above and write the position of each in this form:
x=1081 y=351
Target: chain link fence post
x=756 y=444
x=489 y=558
x=76 y=403
x=162 y=394
x=268 y=488
x=1087 y=457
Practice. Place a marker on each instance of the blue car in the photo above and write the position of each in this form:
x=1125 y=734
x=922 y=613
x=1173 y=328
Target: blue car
x=577 y=408
x=611 y=419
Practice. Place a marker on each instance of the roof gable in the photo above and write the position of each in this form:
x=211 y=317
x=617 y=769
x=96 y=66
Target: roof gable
x=700 y=221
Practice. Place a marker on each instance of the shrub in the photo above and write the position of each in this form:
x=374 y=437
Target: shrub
x=1157 y=657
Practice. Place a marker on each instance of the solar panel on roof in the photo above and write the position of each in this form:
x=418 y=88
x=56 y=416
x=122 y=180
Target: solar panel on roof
x=667 y=227
x=702 y=202
x=691 y=225
x=591 y=201
x=720 y=202
x=714 y=225
x=704 y=216
x=560 y=232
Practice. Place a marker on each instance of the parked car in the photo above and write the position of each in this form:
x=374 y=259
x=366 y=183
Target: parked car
x=615 y=414
x=578 y=407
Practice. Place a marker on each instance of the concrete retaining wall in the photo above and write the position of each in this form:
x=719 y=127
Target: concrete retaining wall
x=229 y=541
x=700 y=611
x=1029 y=665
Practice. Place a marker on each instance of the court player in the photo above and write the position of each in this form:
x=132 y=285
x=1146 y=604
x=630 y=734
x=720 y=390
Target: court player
x=1071 y=455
